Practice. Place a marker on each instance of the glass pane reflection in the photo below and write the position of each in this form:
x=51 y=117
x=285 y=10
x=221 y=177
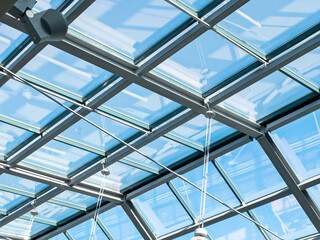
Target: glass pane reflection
x=86 y=133
x=65 y=70
x=53 y=212
x=299 y=143
x=235 y=228
x=121 y=176
x=315 y=194
x=266 y=96
x=119 y=224
x=82 y=231
x=59 y=237
x=268 y=24
x=286 y=218
x=142 y=104
x=308 y=66
x=22 y=184
x=162 y=210
x=195 y=130
x=129 y=26
x=162 y=150
x=76 y=198
x=59 y=158
x=11 y=137
x=17 y=101
x=205 y=62
x=251 y=171
x=20 y=227
x=9 y=200
x=10 y=39
x=216 y=186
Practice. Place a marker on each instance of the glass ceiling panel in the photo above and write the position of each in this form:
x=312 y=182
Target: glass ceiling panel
x=251 y=171
x=161 y=150
x=286 y=218
x=216 y=186
x=9 y=200
x=195 y=130
x=46 y=4
x=266 y=96
x=65 y=71
x=236 y=227
x=10 y=39
x=58 y=158
x=17 y=101
x=76 y=198
x=84 y=132
x=129 y=26
x=21 y=184
x=205 y=62
x=141 y=104
x=315 y=194
x=53 y=212
x=184 y=237
x=162 y=210
x=119 y=224
x=268 y=24
x=20 y=227
x=308 y=66
x=299 y=143
x=82 y=231
x=59 y=237
x=11 y=137
x=121 y=176
x=196 y=4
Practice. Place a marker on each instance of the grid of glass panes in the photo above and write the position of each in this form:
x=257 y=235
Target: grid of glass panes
x=132 y=32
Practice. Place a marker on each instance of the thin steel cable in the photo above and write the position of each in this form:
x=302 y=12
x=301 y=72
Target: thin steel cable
x=206 y=167
x=29 y=228
x=97 y=210
x=15 y=77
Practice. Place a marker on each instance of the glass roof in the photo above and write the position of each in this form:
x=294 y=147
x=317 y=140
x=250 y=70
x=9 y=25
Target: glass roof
x=205 y=62
x=130 y=29
x=146 y=71
x=267 y=25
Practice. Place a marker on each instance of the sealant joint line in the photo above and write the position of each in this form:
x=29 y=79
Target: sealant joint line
x=105 y=171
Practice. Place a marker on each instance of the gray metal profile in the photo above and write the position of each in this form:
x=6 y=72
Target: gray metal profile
x=289 y=178
x=5 y=6
x=142 y=76
x=138 y=221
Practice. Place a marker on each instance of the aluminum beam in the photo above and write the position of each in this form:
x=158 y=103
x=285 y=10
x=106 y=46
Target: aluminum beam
x=138 y=221
x=247 y=80
x=289 y=178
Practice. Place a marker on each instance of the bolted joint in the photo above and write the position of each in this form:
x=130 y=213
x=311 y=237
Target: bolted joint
x=200 y=234
x=105 y=171
x=210 y=114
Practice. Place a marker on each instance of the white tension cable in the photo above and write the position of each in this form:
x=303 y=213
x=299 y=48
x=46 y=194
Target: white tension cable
x=17 y=78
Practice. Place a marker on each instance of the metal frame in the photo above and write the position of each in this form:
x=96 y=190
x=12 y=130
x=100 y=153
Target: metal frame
x=143 y=75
